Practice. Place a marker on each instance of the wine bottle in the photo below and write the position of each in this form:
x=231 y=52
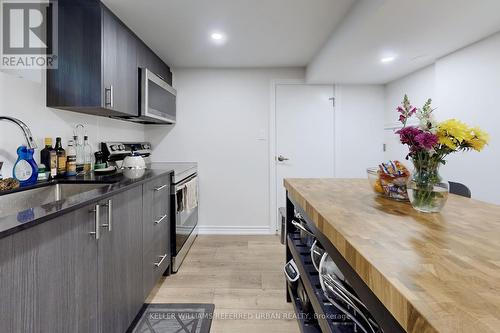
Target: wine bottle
x=48 y=157
x=61 y=159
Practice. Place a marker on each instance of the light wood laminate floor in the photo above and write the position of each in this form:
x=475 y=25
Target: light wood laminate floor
x=242 y=276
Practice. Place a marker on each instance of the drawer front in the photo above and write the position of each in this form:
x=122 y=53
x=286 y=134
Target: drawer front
x=156 y=231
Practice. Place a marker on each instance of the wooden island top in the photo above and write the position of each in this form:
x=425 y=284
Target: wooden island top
x=433 y=272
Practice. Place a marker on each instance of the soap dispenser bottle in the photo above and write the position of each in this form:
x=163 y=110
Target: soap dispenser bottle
x=25 y=168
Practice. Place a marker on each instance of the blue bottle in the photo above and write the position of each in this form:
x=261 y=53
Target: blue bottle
x=25 y=169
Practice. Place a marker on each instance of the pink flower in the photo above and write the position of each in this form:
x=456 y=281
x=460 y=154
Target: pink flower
x=427 y=140
x=407 y=135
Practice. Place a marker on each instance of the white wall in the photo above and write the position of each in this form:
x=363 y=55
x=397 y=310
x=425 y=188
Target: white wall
x=359 y=119
x=25 y=99
x=466 y=86
x=223 y=124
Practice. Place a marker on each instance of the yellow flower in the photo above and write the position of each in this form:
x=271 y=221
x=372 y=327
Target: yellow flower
x=455 y=130
x=479 y=140
x=447 y=141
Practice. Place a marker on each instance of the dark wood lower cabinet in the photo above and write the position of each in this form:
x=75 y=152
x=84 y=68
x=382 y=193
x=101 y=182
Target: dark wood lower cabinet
x=48 y=277
x=57 y=277
x=156 y=228
x=119 y=259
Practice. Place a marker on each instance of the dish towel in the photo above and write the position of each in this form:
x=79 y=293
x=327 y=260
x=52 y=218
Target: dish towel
x=191 y=194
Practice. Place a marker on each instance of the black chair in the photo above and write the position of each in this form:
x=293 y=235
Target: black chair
x=460 y=189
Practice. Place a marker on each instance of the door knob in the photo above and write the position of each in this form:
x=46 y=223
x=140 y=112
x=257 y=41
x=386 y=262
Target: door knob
x=282 y=158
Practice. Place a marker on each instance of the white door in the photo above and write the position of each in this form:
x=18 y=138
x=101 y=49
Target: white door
x=305 y=144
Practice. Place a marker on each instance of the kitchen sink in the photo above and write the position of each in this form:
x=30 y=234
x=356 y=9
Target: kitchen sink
x=19 y=201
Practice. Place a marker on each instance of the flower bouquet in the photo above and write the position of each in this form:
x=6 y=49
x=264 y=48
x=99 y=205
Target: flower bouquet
x=429 y=143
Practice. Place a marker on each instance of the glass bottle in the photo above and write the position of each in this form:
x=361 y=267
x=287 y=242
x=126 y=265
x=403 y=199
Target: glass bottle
x=88 y=165
x=48 y=157
x=80 y=156
x=61 y=159
x=71 y=160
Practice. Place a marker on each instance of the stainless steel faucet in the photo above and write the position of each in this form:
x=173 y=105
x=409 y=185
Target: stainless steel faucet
x=26 y=131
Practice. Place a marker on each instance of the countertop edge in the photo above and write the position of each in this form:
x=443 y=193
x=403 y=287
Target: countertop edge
x=52 y=215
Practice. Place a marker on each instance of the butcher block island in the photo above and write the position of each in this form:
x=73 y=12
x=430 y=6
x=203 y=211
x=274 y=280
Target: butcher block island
x=429 y=272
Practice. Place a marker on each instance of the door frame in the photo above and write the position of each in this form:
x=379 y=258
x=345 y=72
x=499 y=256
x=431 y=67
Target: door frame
x=274 y=225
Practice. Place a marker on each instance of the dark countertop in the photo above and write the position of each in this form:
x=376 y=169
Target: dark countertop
x=33 y=216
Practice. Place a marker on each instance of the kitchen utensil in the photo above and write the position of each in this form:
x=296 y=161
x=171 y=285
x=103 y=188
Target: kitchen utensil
x=306 y=235
x=134 y=166
x=105 y=171
x=304 y=298
x=134 y=173
x=100 y=166
x=291 y=272
x=340 y=294
x=134 y=162
x=99 y=157
x=317 y=253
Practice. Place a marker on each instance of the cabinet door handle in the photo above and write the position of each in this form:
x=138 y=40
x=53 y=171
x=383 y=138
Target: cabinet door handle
x=160 y=188
x=158 y=264
x=161 y=219
x=108 y=98
x=109 y=206
x=97 y=212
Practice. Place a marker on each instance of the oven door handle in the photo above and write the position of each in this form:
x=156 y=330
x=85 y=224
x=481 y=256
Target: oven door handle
x=181 y=185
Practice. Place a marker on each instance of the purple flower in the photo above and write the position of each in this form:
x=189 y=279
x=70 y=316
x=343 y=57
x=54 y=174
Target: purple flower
x=426 y=140
x=407 y=135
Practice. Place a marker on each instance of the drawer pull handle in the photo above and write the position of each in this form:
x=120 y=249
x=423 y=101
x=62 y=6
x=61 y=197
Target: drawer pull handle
x=160 y=220
x=109 y=206
x=97 y=211
x=109 y=102
x=158 y=264
x=161 y=187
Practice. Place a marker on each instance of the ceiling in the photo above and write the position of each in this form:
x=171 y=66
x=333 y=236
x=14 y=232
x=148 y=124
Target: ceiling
x=260 y=33
x=340 y=41
x=416 y=32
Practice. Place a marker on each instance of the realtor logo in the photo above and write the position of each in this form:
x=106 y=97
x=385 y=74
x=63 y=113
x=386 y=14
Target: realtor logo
x=29 y=34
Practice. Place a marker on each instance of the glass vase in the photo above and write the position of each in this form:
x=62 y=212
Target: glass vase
x=427 y=191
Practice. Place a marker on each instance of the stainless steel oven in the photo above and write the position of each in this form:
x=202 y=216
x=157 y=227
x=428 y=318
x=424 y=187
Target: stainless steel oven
x=186 y=218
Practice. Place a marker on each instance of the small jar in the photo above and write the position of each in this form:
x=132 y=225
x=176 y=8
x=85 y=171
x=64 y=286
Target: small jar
x=43 y=174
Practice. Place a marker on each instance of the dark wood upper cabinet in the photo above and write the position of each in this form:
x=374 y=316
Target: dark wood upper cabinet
x=119 y=69
x=98 y=62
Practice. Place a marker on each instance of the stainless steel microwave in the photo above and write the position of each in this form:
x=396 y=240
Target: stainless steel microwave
x=157 y=100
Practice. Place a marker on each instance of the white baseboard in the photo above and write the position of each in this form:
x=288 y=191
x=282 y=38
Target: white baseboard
x=234 y=230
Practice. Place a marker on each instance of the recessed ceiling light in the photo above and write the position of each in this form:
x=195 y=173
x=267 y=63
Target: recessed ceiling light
x=217 y=36
x=388 y=59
